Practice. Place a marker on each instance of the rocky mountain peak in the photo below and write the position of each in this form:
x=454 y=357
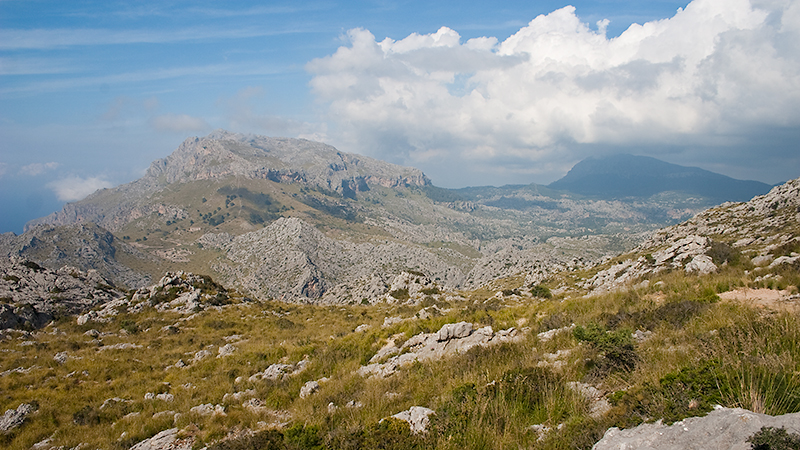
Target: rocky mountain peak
x=222 y=154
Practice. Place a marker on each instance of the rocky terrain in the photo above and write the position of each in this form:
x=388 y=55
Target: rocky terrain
x=763 y=230
x=32 y=295
x=354 y=305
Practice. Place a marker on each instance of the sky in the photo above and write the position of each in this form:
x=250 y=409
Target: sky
x=472 y=93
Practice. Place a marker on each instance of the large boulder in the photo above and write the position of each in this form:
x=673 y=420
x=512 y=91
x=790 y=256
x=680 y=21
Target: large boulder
x=723 y=428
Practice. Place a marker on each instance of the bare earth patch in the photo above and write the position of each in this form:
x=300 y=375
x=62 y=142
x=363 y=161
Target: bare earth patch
x=764 y=298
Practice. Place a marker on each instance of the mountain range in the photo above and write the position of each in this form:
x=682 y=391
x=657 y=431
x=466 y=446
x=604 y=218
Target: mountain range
x=300 y=220
x=629 y=176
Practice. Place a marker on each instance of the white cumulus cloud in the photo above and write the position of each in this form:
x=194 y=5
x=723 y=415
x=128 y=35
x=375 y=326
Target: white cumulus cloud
x=179 y=123
x=37 y=168
x=713 y=72
x=76 y=188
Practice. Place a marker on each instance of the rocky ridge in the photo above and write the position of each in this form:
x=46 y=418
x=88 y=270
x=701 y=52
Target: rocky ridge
x=763 y=230
x=33 y=295
x=85 y=246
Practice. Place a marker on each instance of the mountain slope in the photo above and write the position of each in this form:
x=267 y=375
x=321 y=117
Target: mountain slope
x=622 y=176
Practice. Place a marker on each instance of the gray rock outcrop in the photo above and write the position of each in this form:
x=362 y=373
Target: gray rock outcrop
x=450 y=340
x=13 y=418
x=723 y=428
x=33 y=295
x=165 y=440
x=417 y=418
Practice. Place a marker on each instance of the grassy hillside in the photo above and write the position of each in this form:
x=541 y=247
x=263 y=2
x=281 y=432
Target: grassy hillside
x=692 y=351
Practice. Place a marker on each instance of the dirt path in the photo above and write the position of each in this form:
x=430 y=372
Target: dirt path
x=764 y=298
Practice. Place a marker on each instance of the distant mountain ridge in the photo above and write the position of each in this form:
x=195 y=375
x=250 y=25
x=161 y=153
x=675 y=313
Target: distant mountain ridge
x=223 y=154
x=626 y=176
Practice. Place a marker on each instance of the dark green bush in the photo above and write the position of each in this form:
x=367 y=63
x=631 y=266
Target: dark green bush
x=400 y=294
x=541 y=291
x=615 y=348
x=262 y=440
x=769 y=438
x=301 y=437
x=721 y=252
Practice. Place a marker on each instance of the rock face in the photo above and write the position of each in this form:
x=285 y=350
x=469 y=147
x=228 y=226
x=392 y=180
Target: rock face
x=722 y=428
x=451 y=339
x=292 y=260
x=34 y=295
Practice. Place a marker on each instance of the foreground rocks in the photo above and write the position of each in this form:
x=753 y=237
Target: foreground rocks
x=723 y=428
x=165 y=440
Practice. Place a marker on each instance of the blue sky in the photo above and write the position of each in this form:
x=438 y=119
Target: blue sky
x=473 y=93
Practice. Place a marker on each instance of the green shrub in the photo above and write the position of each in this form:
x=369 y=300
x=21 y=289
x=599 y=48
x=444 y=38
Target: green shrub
x=721 y=253
x=615 y=348
x=400 y=294
x=541 y=291
x=301 y=437
x=769 y=438
x=262 y=440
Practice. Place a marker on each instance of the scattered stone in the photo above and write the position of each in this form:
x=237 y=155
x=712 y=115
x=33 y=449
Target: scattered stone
x=332 y=408
x=112 y=401
x=278 y=371
x=389 y=321
x=199 y=356
x=362 y=328
x=226 y=350
x=545 y=336
x=417 y=418
x=92 y=333
x=120 y=346
x=641 y=336
x=237 y=397
x=209 y=410
x=165 y=397
x=309 y=388
x=61 y=357
x=726 y=428
x=14 y=418
x=701 y=264
x=454 y=331
x=598 y=405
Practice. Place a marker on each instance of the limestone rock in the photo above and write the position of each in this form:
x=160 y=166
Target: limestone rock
x=13 y=418
x=417 y=418
x=309 y=388
x=451 y=339
x=165 y=440
x=723 y=428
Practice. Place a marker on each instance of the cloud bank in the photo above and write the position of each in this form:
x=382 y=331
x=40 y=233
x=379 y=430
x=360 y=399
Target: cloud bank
x=179 y=123
x=76 y=188
x=716 y=74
